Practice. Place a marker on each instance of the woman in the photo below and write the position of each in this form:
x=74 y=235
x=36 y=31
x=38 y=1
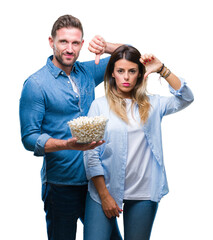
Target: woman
x=128 y=168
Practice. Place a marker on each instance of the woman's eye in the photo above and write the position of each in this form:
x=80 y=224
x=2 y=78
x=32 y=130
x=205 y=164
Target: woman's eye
x=119 y=70
x=133 y=71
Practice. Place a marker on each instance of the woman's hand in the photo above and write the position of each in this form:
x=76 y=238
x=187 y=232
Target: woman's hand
x=110 y=206
x=151 y=63
x=108 y=203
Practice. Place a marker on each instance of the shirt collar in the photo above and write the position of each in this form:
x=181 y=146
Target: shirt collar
x=55 y=71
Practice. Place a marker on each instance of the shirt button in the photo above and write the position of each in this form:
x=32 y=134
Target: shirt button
x=77 y=96
x=68 y=82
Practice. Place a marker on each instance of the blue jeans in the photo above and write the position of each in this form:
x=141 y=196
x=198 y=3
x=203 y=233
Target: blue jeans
x=138 y=220
x=64 y=205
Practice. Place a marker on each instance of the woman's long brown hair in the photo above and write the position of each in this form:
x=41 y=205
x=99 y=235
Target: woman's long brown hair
x=116 y=102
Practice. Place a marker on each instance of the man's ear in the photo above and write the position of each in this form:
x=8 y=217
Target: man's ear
x=51 y=42
x=82 y=43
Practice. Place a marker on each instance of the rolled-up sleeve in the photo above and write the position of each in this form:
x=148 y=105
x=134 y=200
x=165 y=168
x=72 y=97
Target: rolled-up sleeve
x=40 y=144
x=181 y=98
x=31 y=113
x=92 y=163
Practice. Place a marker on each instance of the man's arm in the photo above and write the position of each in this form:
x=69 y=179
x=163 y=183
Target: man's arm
x=99 y=46
x=53 y=145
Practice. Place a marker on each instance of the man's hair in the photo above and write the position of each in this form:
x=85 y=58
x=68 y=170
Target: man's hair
x=66 y=21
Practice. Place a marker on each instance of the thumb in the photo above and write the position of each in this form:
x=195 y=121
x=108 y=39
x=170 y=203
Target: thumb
x=146 y=75
x=97 y=59
x=72 y=140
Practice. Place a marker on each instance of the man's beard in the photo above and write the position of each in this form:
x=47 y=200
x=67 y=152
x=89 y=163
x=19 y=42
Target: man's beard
x=60 y=60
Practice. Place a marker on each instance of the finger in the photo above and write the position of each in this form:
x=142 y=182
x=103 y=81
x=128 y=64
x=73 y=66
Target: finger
x=142 y=61
x=152 y=56
x=72 y=141
x=147 y=58
x=116 y=213
x=119 y=209
x=98 y=40
x=97 y=59
x=108 y=214
x=96 y=144
x=95 y=50
x=96 y=44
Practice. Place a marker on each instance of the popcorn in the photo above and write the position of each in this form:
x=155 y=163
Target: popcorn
x=88 y=129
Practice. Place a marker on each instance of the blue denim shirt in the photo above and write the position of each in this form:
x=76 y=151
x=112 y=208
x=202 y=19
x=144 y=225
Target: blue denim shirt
x=47 y=103
x=110 y=158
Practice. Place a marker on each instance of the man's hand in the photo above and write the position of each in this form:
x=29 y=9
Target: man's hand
x=98 y=46
x=73 y=145
x=53 y=145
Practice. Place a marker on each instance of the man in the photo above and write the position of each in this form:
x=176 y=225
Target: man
x=59 y=92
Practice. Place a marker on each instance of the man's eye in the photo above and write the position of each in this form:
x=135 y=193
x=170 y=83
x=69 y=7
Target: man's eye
x=76 y=43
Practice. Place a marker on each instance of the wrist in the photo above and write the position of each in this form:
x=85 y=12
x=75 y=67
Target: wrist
x=164 y=71
x=53 y=145
x=160 y=69
x=110 y=47
x=103 y=194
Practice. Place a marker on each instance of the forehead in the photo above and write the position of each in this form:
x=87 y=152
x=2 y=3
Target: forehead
x=69 y=34
x=123 y=63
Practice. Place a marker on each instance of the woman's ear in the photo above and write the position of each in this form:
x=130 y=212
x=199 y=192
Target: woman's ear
x=113 y=75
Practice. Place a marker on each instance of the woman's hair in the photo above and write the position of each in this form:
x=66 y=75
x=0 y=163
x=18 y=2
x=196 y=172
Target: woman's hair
x=116 y=102
x=66 y=21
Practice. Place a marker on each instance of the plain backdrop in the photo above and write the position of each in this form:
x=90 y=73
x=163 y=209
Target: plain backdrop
x=179 y=33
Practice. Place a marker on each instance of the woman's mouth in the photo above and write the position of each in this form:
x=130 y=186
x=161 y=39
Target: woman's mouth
x=126 y=84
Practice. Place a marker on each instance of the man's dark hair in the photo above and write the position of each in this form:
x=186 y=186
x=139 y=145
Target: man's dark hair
x=66 y=21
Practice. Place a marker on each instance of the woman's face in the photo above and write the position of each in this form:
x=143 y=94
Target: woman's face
x=126 y=74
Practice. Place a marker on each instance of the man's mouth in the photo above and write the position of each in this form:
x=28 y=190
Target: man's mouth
x=69 y=55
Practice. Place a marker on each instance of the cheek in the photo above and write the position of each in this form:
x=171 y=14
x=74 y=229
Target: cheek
x=136 y=79
x=118 y=80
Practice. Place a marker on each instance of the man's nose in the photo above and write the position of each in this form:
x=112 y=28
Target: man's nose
x=69 y=47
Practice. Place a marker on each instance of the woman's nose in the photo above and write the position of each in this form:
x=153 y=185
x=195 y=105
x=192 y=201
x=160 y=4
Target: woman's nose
x=126 y=76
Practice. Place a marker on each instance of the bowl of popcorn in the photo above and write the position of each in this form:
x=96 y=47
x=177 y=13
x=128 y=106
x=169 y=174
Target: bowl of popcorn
x=88 y=129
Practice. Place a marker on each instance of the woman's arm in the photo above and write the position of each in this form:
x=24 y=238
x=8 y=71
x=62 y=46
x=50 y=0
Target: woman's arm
x=183 y=96
x=109 y=205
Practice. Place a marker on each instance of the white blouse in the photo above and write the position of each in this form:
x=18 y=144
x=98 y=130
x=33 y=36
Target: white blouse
x=139 y=161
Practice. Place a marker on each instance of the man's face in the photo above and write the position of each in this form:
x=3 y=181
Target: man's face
x=66 y=47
